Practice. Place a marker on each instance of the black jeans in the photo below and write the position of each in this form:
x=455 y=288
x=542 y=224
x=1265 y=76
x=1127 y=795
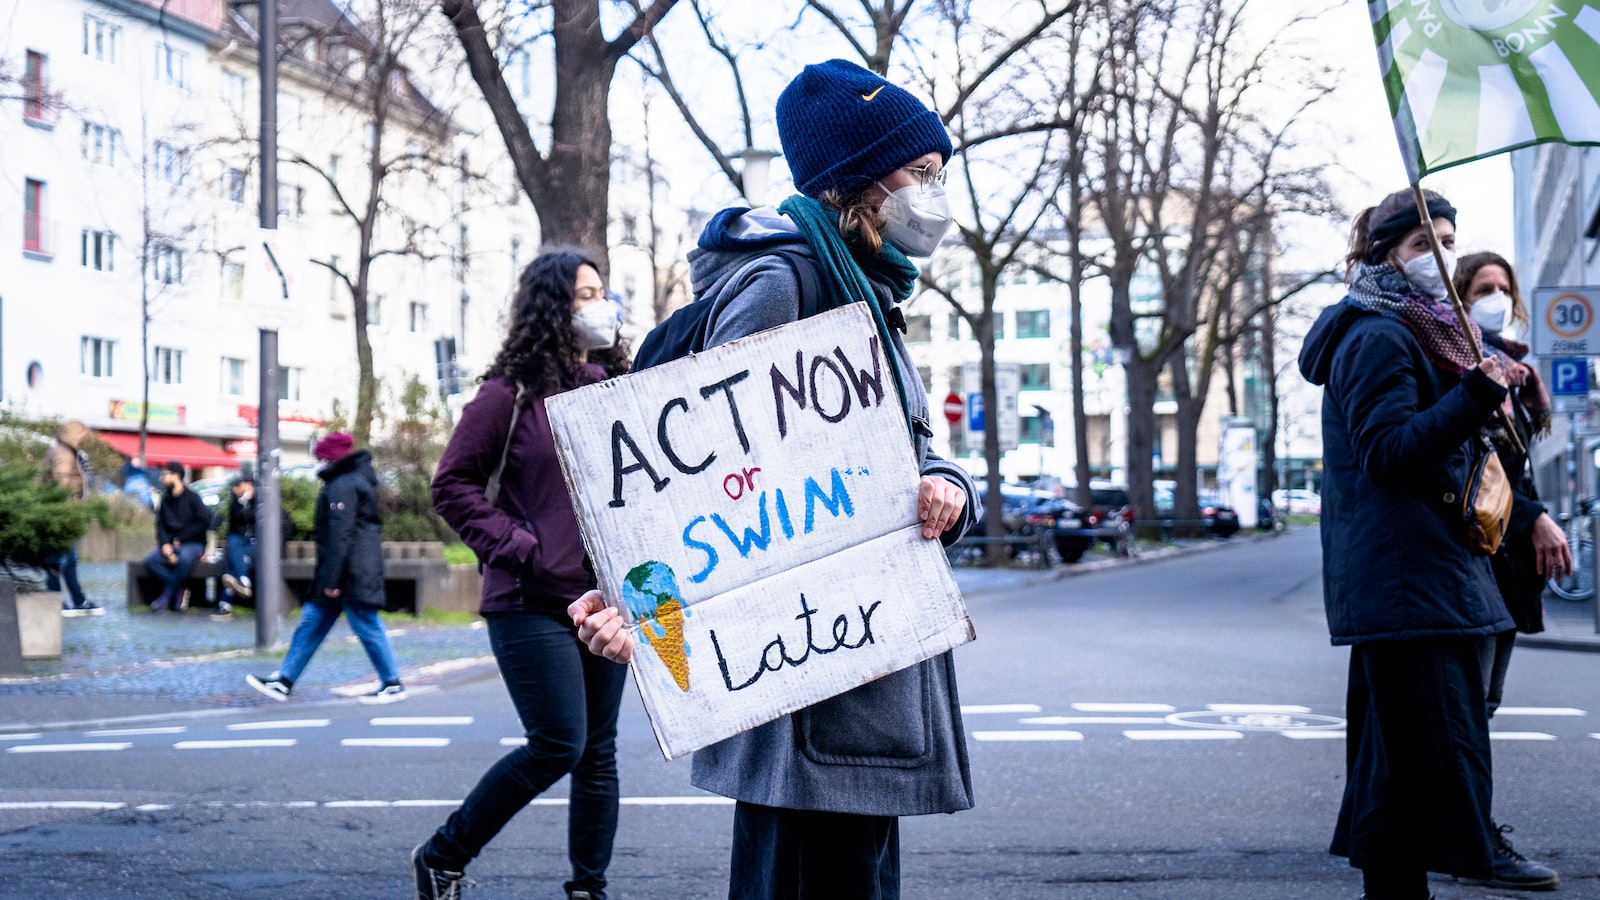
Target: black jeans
x=567 y=699
x=798 y=854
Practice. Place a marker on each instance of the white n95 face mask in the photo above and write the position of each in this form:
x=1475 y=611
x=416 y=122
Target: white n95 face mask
x=596 y=325
x=1423 y=273
x=917 y=218
x=1493 y=312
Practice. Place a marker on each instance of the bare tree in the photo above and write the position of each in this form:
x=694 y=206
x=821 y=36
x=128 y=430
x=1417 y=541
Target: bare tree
x=568 y=181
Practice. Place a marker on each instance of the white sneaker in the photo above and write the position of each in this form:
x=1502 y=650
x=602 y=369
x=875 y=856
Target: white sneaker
x=239 y=586
x=273 y=686
x=389 y=693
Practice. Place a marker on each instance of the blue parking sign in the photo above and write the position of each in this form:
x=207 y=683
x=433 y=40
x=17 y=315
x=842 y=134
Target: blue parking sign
x=975 y=411
x=1569 y=377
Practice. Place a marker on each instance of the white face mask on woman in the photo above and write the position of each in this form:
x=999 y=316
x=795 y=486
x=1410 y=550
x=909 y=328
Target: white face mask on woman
x=917 y=218
x=1423 y=273
x=1492 y=312
x=596 y=325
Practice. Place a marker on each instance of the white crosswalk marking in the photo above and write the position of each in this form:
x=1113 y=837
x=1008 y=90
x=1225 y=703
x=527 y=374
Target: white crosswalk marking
x=1520 y=736
x=1539 y=711
x=396 y=742
x=1184 y=734
x=280 y=723
x=1124 y=707
x=1308 y=734
x=30 y=736
x=1243 y=709
x=129 y=732
x=1093 y=720
x=384 y=721
x=1000 y=708
x=68 y=748
x=1027 y=735
x=244 y=744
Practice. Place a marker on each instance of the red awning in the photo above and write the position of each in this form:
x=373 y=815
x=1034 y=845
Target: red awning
x=160 y=448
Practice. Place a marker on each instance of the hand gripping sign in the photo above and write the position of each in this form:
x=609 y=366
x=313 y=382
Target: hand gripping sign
x=752 y=512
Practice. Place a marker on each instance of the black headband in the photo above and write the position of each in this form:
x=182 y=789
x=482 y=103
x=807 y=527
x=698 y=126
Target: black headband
x=1382 y=236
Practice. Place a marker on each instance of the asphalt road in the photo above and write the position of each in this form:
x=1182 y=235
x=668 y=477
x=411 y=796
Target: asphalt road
x=1158 y=731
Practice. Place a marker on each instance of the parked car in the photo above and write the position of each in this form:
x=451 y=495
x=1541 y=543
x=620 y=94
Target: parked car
x=1110 y=515
x=1221 y=520
x=1267 y=515
x=1026 y=512
x=1298 y=502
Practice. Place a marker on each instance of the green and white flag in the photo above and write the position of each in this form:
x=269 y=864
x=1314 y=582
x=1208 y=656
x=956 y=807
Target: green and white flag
x=1468 y=79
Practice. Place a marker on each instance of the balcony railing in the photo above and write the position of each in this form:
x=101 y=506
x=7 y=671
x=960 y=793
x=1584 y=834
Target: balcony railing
x=38 y=235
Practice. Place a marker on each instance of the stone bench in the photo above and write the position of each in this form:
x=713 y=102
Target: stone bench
x=415 y=575
x=204 y=584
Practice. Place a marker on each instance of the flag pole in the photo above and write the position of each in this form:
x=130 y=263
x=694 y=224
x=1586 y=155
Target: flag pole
x=1455 y=297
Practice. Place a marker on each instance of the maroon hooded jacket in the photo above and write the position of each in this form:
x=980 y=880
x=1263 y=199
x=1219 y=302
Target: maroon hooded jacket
x=528 y=542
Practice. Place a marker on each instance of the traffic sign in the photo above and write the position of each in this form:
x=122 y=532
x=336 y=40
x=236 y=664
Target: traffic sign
x=1569 y=377
x=953 y=408
x=1564 y=321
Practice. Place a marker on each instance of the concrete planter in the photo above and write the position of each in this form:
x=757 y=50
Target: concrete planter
x=39 y=625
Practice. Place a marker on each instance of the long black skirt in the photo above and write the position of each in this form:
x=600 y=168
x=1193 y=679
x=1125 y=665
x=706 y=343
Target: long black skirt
x=1419 y=782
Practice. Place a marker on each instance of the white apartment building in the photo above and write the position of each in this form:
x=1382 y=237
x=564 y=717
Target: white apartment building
x=134 y=139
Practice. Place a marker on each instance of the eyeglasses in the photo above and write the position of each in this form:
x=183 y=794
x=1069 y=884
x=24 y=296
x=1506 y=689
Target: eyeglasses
x=927 y=174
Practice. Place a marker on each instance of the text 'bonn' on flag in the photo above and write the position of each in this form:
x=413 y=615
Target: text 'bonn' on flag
x=1468 y=79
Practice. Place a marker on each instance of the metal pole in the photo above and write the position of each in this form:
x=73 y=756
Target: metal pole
x=269 y=525
x=1571 y=500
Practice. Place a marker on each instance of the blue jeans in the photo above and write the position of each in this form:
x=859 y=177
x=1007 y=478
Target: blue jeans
x=173 y=575
x=316 y=620
x=63 y=567
x=240 y=561
x=567 y=699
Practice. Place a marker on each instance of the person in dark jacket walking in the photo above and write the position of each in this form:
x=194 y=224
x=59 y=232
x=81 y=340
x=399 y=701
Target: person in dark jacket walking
x=499 y=485
x=69 y=468
x=819 y=793
x=349 y=573
x=182 y=523
x=1535 y=548
x=1405 y=404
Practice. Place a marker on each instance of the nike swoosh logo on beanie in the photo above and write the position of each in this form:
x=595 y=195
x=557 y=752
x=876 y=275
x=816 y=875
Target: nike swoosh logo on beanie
x=868 y=97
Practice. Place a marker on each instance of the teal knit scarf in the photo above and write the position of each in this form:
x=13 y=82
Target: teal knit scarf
x=846 y=275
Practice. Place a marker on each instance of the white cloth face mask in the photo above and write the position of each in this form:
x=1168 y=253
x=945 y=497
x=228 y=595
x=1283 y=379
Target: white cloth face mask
x=1492 y=312
x=917 y=217
x=596 y=325
x=1423 y=273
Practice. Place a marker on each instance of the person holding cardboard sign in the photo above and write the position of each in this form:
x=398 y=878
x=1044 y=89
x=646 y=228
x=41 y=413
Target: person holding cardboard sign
x=819 y=792
x=499 y=486
x=1405 y=407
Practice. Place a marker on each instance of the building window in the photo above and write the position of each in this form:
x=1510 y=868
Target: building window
x=374 y=310
x=232 y=377
x=166 y=366
x=233 y=90
x=233 y=185
x=169 y=162
x=289 y=382
x=35 y=227
x=925 y=375
x=1031 y=429
x=288 y=112
x=1033 y=323
x=167 y=265
x=1036 y=376
x=95 y=356
x=919 y=329
x=100 y=39
x=953 y=327
x=36 y=87
x=419 y=317
x=98 y=248
x=100 y=143
x=291 y=201
x=172 y=66
x=999 y=320
x=232 y=280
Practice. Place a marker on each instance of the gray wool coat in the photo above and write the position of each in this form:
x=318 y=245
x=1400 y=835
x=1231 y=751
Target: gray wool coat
x=894 y=746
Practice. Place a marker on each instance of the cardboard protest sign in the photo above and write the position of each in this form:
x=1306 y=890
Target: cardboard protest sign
x=752 y=511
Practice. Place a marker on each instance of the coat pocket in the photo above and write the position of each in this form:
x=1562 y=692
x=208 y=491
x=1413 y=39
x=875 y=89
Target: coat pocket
x=881 y=723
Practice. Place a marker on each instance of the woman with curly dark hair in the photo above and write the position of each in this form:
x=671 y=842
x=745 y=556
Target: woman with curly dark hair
x=500 y=487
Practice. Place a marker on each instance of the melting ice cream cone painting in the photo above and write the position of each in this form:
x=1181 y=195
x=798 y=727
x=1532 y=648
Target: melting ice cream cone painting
x=651 y=594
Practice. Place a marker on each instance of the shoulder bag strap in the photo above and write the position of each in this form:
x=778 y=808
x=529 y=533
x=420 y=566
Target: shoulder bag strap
x=492 y=490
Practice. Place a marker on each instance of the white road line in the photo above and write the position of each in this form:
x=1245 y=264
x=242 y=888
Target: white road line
x=1539 y=711
x=395 y=742
x=35 y=735
x=355 y=804
x=1183 y=734
x=1093 y=720
x=1308 y=734
x=677 y=801
x=120 y=732
x=383 y=721
x=1245 y=709
x=246 y=744
x=999 y=708
x=1520 y=736
x=280 y=723
x=62 y=804
x=404 y=804
x=513 y=742
x=1124 y=707
x=67 y=748
x=153 y=807
x=1596 y=736
x=1027 y=735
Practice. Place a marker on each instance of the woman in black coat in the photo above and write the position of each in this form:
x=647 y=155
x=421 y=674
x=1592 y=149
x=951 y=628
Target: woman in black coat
x=1405 y=405
x=349 y=573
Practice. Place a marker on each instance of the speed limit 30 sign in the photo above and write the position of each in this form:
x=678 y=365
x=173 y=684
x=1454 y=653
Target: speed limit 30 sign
x=1564 y=321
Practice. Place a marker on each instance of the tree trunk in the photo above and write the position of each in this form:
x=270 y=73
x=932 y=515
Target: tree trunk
x=994 y=504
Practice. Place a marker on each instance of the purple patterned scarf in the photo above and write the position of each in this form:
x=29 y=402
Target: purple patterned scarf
x=1380 y=288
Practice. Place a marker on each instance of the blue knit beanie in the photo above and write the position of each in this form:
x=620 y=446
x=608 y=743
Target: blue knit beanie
x=843 y=127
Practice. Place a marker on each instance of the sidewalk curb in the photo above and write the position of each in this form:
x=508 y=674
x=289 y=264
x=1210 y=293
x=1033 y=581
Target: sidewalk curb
x=1543 y=641
x=1145 y=557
